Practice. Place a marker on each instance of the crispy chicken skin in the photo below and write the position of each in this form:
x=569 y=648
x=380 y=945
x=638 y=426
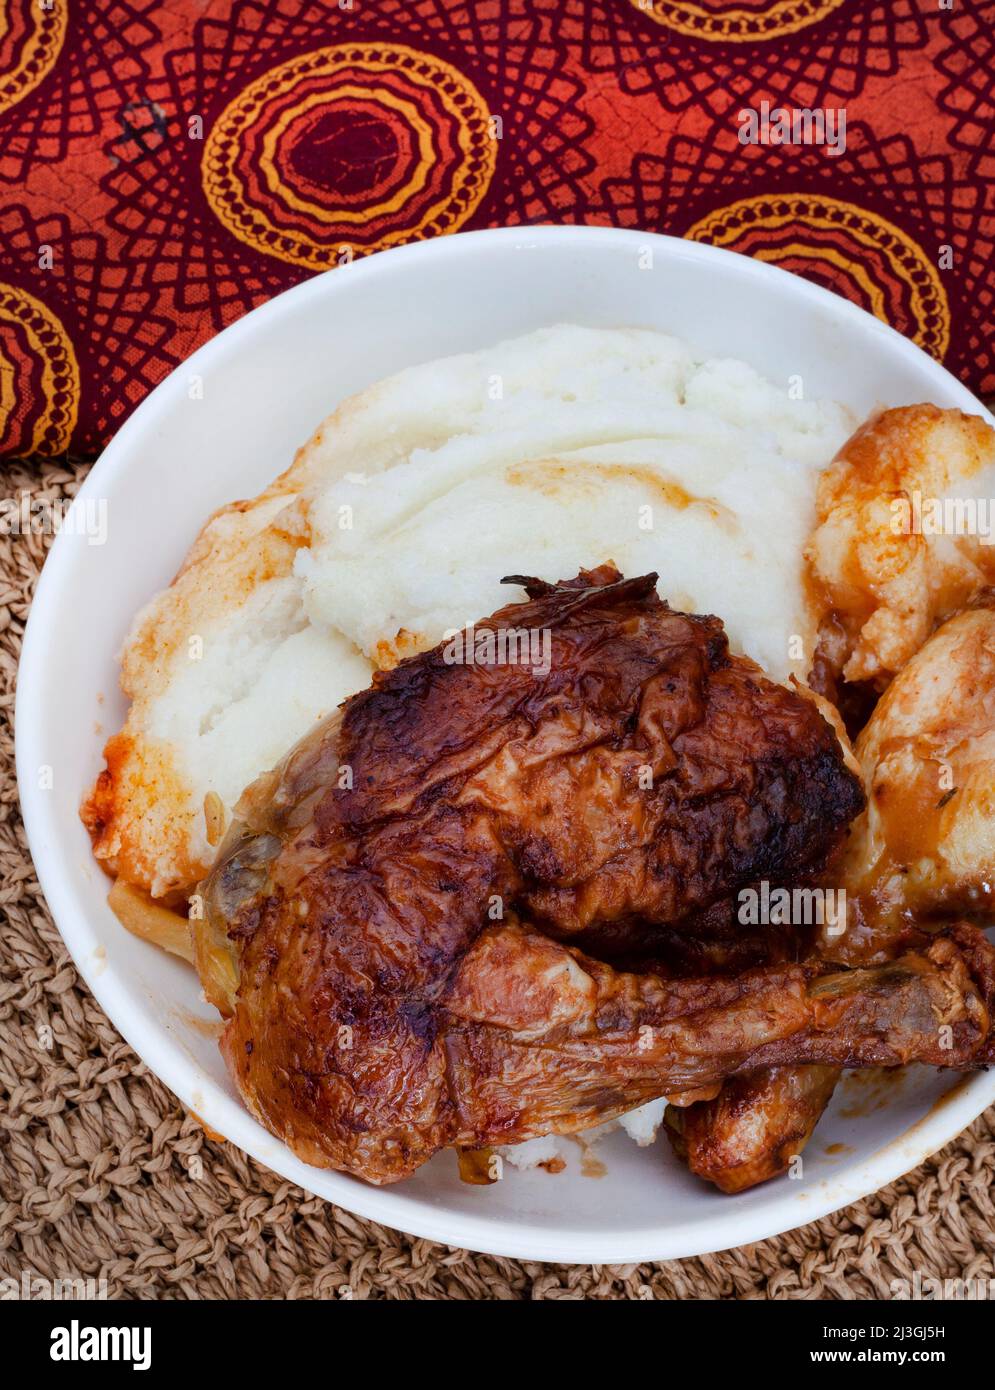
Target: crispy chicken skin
x=392 y=894
x=648 y=775
x=884 y=586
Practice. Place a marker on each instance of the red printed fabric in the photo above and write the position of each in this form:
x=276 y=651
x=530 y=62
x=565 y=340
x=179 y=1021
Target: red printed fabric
x=165 y=165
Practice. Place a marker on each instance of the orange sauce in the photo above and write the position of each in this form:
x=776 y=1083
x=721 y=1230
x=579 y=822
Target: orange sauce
x=207 y=1027
x=590 y=1165
x=869 y=1090
x=475 y=1166
x=209 y=1132
x=552 y=477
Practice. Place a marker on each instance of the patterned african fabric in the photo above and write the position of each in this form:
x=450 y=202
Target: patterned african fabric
x=166 y=165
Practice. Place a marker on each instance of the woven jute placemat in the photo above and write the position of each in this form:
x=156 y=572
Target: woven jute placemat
x=103 y=1176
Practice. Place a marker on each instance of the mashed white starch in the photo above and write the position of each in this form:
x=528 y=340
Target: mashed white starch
x=558 y=451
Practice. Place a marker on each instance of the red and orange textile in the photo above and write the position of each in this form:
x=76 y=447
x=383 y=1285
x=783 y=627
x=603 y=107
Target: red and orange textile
x=166 y=165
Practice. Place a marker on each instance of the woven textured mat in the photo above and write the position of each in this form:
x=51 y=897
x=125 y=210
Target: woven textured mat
x=98 y=1176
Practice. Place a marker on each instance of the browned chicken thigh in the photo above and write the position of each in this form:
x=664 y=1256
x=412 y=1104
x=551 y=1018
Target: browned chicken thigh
x=385 y=925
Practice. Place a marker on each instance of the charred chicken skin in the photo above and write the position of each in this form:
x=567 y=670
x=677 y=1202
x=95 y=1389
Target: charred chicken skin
x=386 y=927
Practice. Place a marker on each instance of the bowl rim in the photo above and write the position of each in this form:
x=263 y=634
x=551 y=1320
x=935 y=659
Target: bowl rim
x=669 y=1239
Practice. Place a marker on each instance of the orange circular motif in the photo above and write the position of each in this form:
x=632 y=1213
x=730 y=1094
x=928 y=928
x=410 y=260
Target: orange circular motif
x=39 y=377
x=32 y=33
x=856 y=252
x=719 y=23
x=357 y=145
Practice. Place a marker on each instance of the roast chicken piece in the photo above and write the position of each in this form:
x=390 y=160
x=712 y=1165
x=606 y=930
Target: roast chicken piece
x=645 y=777
x=925 y=846
x=898 y=547
x=385 y=992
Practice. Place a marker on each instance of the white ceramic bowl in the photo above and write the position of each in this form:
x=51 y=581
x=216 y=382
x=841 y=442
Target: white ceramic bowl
x=267 y=381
